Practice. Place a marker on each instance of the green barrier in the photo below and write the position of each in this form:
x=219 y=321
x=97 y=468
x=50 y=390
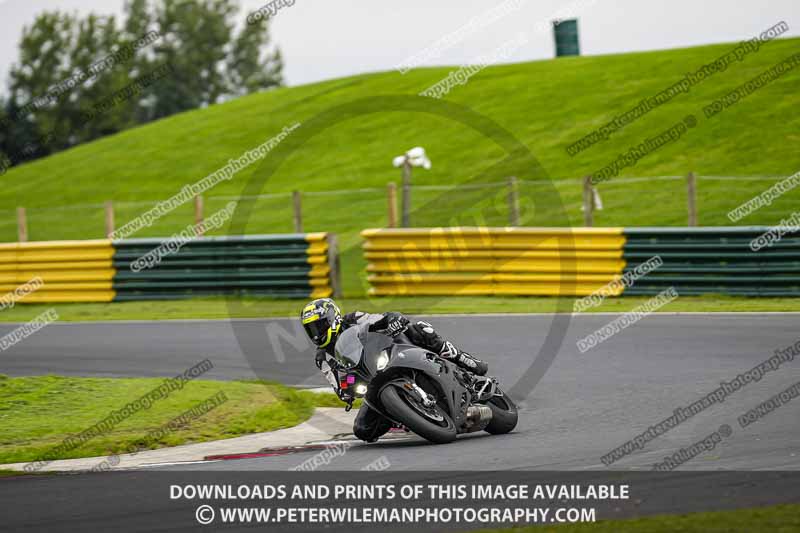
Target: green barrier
x=283 y=266
x=174 y=295
x=713 y=260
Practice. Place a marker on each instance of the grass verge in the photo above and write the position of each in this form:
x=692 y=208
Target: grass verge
x=547 y=105
x=777 y=519
x=218 y=308
x=38 y=413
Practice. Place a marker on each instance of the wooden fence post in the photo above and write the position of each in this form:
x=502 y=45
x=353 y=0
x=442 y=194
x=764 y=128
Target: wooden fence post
x=691 y=198
x=297 y=202
x=198 y=214
x=109 y=219
x=513 y=201
x=391 y=196
x=333 y=264
x=22 y=225
x=588 y=202
x=406 y=194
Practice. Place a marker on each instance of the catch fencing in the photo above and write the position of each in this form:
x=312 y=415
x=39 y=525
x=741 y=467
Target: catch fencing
x=693 y=200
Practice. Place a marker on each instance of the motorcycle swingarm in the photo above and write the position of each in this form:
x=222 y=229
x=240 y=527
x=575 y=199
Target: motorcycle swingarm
x=486 y=389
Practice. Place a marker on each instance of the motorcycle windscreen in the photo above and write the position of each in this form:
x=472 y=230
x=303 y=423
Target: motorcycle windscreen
x=358 y=343
x=376 y=346
x=348 y=349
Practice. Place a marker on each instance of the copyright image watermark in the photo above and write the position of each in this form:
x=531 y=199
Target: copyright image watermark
x=682 y=86
x=572 y=9
x=177 y=241
x=635 y=153
x=627 y=319
x=323 y=458
x=684 y=455
x=717 y=396
x=28 y=150
x=116 y=417
x=378 y=465
x=27 y=329
x=188 y=192
x=475 y=24
x=776 y=233
x=155 y=435
x=9 y=299
x=482 y=21
x=749 y=87
x=765 y=198
x=463 y=74
x=116 y=98
x=616 y=286
x=767 y=407
x=125 y=53
x=127 y=92
x=268 y=11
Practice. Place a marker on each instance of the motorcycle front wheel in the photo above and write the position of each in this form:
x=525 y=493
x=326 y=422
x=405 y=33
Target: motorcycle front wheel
x=429 y=423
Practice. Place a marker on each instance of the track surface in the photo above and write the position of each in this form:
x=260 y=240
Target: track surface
x=586 y=404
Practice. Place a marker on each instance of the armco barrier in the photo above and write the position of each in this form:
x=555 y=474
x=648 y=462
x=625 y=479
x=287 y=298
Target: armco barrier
x=72 y=271
x=492 y=261
x=714 y=260
x=288 y=266
x=578 y=261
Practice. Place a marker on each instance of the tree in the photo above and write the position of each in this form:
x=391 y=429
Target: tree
x=96 y=39
x=138 y=22
x=60 y=97
x=19 y=139
x=209 y=61
x=250 y=69
x=53 y=81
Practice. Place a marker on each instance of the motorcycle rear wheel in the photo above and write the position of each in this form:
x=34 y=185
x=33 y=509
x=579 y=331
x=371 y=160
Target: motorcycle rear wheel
x=504 y=415
x=398 y=405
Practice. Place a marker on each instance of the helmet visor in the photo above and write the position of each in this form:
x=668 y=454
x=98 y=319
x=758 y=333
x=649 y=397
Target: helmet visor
x=318 y=330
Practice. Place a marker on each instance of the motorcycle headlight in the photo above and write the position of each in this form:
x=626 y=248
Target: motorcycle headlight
x=361 y=389
x=382 y=360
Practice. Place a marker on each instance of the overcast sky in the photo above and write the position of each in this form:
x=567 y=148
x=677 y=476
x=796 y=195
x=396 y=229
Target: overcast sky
x=324 y=39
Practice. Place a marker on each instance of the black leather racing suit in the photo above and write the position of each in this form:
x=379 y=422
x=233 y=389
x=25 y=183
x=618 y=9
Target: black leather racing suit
x=369 y=425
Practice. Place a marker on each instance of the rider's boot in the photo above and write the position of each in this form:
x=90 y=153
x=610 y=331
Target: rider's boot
x=464 y=360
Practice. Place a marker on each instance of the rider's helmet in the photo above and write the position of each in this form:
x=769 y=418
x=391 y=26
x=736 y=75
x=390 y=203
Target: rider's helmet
x=322 y=320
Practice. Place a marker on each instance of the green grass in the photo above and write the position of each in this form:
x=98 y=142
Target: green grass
x=545 y=104
x=37 y=413
x=263 y=307
x=777 y=519
x=14 y=473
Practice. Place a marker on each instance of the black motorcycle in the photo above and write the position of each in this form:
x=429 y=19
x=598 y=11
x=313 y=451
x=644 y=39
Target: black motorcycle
x=418 y=389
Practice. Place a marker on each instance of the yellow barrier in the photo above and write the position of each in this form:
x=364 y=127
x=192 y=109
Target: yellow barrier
x=492 y=261
x=323 y=279
x=71 y=271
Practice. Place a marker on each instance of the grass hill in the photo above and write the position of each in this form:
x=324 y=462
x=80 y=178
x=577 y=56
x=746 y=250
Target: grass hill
x=547 y=105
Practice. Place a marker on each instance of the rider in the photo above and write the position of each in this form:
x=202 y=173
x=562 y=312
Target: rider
x=323 y=322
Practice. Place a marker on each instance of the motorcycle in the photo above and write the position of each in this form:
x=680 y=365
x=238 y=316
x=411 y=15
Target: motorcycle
x=419 y=390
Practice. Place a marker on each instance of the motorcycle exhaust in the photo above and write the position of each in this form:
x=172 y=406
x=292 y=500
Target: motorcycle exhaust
x=478 y=417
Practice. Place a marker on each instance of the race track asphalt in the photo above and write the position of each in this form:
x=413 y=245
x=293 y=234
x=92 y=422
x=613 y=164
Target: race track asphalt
x=585 y=405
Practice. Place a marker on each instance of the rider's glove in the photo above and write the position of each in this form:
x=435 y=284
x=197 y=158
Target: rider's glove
x=320 y=358
x=391 y=325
